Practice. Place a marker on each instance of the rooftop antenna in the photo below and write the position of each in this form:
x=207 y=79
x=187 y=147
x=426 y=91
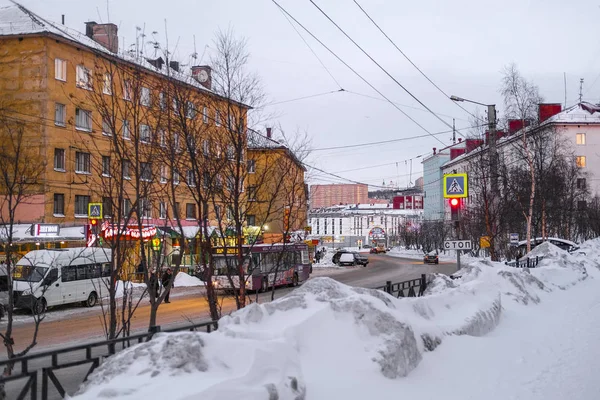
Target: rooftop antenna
x=107 y=12
x=565 y=76
x=195 y=53
x=580 y=89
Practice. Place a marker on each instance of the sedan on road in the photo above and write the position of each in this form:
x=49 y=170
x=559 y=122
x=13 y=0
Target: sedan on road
x=431 y=258
x=360 y=259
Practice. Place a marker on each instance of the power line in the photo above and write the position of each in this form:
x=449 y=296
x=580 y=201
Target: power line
x=301 y=98
x=379 y=65
x=410 y=61
x=339 y=177
x=353 y=70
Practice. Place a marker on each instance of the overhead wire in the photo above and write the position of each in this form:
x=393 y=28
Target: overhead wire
x=354 y=71
x=409 y=60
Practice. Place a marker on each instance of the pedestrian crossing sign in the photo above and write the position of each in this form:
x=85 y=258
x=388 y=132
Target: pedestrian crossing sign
x=456 y=185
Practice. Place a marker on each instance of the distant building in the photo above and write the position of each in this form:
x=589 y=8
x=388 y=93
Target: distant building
x=336 y=194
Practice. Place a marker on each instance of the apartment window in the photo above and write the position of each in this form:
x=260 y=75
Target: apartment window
x=332 y=226
x=107 y=206
x=252 y=193
x=60 y=69
x=251 y=220
x=217 y=118
x=230 y=152
x=146 y=171
x=145 y=135
x=176 y=106
x=206 y=179
x=107 y=86
x=126 y=168
x=190 y=211
x=175 y=177
x=206 y=147
x=83 y=120
x=126 y=130
x=218 y=211
x=580 y=161
x=318 y=230
x=59 y=160
x=190 y=110
x=325 y=226
x=218 y=182
x=106 y=128
x=176 y=141
x=146 y=208
x=81 y=205
x=340 y=226
x=84 y=77
x=191 y=178
x=205 y=115
x=82 y=163
x=105 y=165
x=162 y=101
x=176 y=210
x=163 y=174
x=145 y=97
x=127 y=89
x=162 y=210
x=581 y=184
x=59 y=205
x=163 y=138
x=580 y=138
x=230 y=183
x=229 y=212
x=251 y=166
x=60 y=114
x=126 y=207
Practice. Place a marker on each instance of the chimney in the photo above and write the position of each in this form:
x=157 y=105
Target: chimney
x=158 y=63
x=203 y=74
x=434 y=150
x=103 y=34
x=174 y=65
x=269 y=133
x=548 y=110
x=459 y=140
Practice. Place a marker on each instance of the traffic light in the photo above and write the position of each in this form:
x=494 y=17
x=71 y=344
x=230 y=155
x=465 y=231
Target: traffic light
x=94 y=223
x=454 y=208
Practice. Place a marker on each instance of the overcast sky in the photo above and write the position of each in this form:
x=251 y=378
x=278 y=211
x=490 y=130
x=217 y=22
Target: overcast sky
x=461 y=45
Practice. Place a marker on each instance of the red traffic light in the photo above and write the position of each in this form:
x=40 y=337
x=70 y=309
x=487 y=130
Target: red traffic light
x=454 y=202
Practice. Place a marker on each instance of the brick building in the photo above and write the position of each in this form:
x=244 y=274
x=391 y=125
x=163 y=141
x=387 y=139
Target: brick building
x=335 y=194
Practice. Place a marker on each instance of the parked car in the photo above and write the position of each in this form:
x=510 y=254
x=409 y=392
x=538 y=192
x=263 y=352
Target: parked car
x=360 y=259
x=367 y=246
x=377 y=250
x=347 y=259
x=336 y=257
x=431 y=258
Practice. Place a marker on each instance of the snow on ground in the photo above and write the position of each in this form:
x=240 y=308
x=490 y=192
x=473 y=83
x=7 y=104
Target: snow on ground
x=495 y=333
x=185 y=280
x=449 y=255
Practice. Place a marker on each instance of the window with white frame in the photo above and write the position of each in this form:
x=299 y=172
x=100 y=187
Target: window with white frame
x=206 y=179
x=146 y=171
x=230 y=183
x=107 y=86
x=126 y=129
x=163 y=138
x=206 y=147
x=106 y=128
x=163 y=174
x=190 y=211
x=145 y=135
x=126 y=169
x=84 y=78
x=127 y=89
x=175 y=178
x=162 y=210
x=60 y=114
x=190 y=110
x=59 y=160
x=82 y=163
x=81 y=205
x=176 y=106
x=83 y=120
x=59 y=205
x=251 y=193
x=176 y=142
x=105 y=165
x=191 y=178
x=230 y=152
x=145 y=97
x=60 y=69
x=126 y=207
x=162 y=101
x=580 y=138
x=251 y=166
x=230 y=213
x=205 y=115
x=146 y=208
x=217 y=118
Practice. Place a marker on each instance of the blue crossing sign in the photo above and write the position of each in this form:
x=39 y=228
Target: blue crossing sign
x=456 y=185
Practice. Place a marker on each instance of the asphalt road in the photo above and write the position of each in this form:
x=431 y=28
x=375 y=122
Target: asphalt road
x=81 y=326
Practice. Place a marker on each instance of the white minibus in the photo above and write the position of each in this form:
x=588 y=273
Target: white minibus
x=51 y=277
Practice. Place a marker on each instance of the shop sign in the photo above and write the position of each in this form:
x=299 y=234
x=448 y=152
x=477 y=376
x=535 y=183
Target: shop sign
x=45 y=230
x=128 y=233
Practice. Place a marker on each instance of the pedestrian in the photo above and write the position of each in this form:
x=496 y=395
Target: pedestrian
x=166 y=280
x=153 y=283
x=318 y=256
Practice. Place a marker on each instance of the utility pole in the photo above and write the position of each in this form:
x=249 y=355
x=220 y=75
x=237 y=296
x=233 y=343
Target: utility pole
x=453 y=132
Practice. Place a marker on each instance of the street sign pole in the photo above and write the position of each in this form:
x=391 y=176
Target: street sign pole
x=458 y=238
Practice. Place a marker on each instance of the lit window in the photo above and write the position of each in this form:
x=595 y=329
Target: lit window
x=580 y=138
x=60 y=69
x=580 y=161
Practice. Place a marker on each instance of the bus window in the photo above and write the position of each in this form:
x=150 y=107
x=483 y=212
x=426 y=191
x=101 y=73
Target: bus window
x=69 y=273
x=305 y=259
x=106 y=269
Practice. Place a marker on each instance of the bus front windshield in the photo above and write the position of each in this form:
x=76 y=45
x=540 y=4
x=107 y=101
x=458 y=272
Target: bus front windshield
x=29 y=273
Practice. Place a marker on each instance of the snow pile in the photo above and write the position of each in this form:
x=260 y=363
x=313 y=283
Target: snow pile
x=326 y=261
x=185 y=280
x=324 y=337
x=122 y=285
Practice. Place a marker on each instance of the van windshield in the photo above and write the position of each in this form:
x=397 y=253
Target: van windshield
x=28 y=273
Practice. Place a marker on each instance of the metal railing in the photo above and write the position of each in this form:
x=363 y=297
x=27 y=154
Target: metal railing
x=525 y=262
x=29 y=368
x=410 y=288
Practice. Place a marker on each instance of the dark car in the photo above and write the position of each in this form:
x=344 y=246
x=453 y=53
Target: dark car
x=431 y=258
x=336 y=257
x=361 y=259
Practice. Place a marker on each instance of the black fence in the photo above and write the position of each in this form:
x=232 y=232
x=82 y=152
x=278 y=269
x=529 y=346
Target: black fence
x=525 y=262
x=411 y=288
x=31 y=370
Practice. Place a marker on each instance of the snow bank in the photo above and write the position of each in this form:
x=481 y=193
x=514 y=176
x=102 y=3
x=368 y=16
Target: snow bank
x=121 y=285
x=324 y=336
x=185 y=280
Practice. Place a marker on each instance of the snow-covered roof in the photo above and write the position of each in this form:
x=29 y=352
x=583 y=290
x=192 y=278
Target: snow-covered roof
x=365 y=209
x=581 y=113
x=18 y=20
x=257 y=140
x=70 y=256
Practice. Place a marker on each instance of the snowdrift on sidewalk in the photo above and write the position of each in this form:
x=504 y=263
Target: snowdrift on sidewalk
x=324 y=336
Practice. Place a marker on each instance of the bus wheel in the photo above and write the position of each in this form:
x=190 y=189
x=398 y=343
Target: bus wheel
x=40 y=306
x=92 y=300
